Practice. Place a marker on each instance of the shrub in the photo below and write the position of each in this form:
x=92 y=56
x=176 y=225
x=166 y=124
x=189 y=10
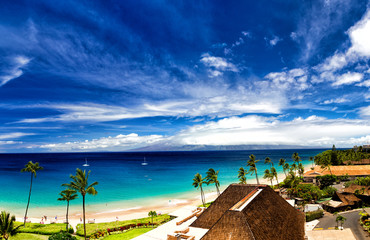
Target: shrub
x=326 y=180
x=62 y=236
x=328 y=192
x=314 y=215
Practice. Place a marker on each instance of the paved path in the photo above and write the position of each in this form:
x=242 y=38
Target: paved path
x=352 y=222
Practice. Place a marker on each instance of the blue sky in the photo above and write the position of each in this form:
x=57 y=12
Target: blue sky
x=119 y=75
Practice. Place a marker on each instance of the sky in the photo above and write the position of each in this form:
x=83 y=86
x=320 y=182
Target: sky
x=120 y=75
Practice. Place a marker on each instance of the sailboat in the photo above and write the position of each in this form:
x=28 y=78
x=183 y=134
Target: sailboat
x=144 y=163
x=86 y=164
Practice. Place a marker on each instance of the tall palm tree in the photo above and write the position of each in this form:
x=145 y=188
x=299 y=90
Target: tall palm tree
x=312 y=160
x=300 y=169
x=268 y=176
x=268 y=161
x=152 y=214
x=31 y=168
x=197 y=183
x=241 y=176
x=212 y=177
x=274 y=174
x=286 y=167
x=67 y=195
x=7 y=228
x=252 y=166
x=80 y=184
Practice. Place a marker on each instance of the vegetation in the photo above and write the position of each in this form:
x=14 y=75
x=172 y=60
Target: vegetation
x=252 y=166
x=80 y=184
x=7 y=226
x=197 y=183
x=212 y=178
x=45 y=229
x=268 y=175
x=362 y=181
x=340 y=219
x=282 y=164
x=31 y=168
x=129 y=234
x=152 y=214
x=326 y=180
x=241 y=175
x=365 y=221
x=62 y=236
x=338 y=157
x=29 y=236
x=314 y=215
x=67 y=195
x=92 y=228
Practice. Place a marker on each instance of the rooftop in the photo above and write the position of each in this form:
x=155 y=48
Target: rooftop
x=351 y=170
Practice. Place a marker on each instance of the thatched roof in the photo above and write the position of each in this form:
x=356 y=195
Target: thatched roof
x=344 y=198
x=362 y=190
x=351 y=170
x=360 y=162
x=262 y=215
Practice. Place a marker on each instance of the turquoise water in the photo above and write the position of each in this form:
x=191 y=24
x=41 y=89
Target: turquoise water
x=122 y=177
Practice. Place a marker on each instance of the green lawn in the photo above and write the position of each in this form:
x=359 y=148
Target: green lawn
x=93 y=227
x=128 y=235
x=46 y=229
x=29 y=236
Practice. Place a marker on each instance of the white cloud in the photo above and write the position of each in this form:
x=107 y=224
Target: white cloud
x=365 y=111
x=217 y=65
x=312 y=131
x=15 y=69
x=348 y=78
x=10 y=136
x=272 y=42
x=360 y=36
x=294 y=78
x=337 y=100
x=364 y=83
x=119 y=142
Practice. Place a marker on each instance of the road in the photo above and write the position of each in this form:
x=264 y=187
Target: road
x=352 y=222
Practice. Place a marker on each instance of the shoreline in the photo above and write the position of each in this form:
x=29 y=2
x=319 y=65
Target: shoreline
x=126 y=210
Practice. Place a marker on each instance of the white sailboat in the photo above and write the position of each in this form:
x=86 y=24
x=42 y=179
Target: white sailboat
x=144 y=163
x=86 y=164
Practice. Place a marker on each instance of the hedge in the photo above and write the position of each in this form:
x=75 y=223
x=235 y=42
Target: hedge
x=314 y=215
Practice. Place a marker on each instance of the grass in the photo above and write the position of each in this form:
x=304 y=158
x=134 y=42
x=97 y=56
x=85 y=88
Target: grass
x=128 y=235
x=93 y=227
x=46 y=229
x=29 y=236
x=206 y=205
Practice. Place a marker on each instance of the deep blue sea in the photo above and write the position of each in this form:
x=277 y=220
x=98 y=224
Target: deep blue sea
x=122 y=177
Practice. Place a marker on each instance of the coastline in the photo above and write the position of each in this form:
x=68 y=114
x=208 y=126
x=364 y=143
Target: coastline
x=123 y=211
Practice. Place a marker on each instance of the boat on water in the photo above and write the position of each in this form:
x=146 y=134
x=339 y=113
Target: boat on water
x=86 y=164
x=144 y=163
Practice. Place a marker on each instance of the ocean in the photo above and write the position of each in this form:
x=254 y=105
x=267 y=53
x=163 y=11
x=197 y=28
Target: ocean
x=123 y=178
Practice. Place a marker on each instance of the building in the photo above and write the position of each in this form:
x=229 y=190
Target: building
x=342 y=201
x=246 y=211
x=353 y=171
x=360 y=162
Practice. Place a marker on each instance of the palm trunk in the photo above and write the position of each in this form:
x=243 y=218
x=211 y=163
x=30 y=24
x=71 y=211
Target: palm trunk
x=277 y=180
x=28 y=203
x=202 y=196
x=218 y=191
x=258 y=182
x=271 y=182
x=67 y=215
x=285 y=173
x=83 y=208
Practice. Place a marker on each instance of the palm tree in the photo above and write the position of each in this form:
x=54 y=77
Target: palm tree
x=286 y=167
x=252 y=166
x=312 y=160
x=7 y=228
x=268 y=175
x=67 y=195
x=80 y=184
x=340 y=219
x=197 y=183
x=241 y=176
x=300 y=169
x=31 y=168
x=274 y=174
x=152 y=214
x=268 y=161
x=212 y=177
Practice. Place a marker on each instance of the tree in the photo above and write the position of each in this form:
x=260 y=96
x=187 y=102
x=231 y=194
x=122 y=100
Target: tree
x=274 y=174
x=340 y=219
x=152 y=214
x=300 y=169
x=67 y=195
x=241 y=175
x=268 y=161
x=80 y=184
x=281 y=163
x=268 y=176
x=212 y=177
x=296 y=159
x=312 y=160
x=7 y=228
x=197 y=183
x=31 y=168
x=286 y=167
x=252 y=166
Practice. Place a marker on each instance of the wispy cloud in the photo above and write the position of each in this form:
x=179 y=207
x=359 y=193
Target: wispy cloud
x=273 y=41
x=14 y=135
x=348 y=78
x=217 y=65
x=14 y=69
